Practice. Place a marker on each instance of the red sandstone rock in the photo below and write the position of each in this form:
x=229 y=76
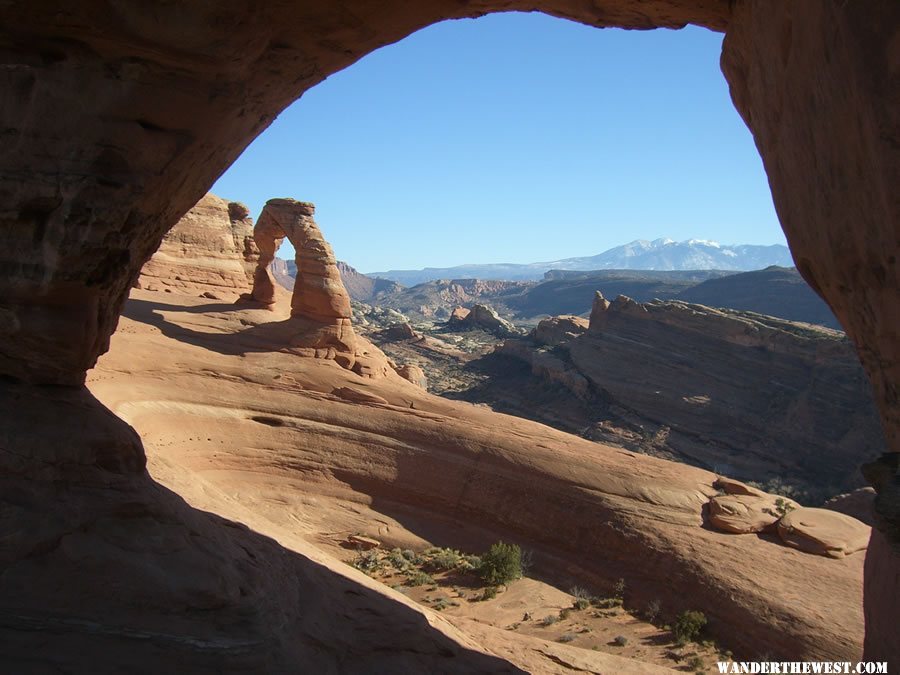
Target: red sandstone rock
x=208 y=251
x=558 y=329
x=480 y=317
x=319 y=294
x=319 y=298
x=823 y=532
x=414 y=374
x=744 y=514
x=459 y=314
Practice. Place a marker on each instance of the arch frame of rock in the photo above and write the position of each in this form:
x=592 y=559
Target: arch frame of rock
x=159 y=101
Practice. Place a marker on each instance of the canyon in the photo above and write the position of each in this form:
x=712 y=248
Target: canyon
x=120 y=120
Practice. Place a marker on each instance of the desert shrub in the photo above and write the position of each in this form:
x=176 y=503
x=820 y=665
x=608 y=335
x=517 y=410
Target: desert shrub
x=564 y=614
x=489 y=593
x=441 y=604
x=410 y=556
x=688 y=625
x=396 y=558
x=783 y=507
x=581 y=603
x=501 y=564
x=606 y=603
x=549 y=620
x=620 y=641
x=566 y=637
x=419 y=578
x=653 y=608
x=446 y=559
x=696 y=664
x=368 y=562
x=619 y=589
x=471 y=562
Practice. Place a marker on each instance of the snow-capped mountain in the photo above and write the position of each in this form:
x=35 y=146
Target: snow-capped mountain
x=659 y=254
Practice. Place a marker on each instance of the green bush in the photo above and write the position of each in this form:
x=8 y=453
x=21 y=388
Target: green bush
x=446 y=559
x=489 y=593
x=688 y=625
x=419 y=578
x=620 y=641
x=368 y=562
x=581 y=603
x=501 y=564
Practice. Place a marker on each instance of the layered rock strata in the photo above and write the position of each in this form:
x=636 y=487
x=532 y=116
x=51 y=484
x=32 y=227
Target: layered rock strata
x=744 y=394
x=209 y=251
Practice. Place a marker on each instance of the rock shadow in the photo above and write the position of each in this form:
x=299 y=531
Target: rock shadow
x=270 y=336
x=129 y=570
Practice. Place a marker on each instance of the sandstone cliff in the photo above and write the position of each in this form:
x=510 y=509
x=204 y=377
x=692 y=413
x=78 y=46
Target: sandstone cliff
x=209 y=251
x=744 y=394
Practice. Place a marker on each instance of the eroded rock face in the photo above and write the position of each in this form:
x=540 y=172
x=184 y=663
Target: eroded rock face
x=210 y=250
x=751 y=396
x=839 y=168
x=558 y=329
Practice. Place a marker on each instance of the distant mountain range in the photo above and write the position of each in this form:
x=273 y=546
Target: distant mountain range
x=660 y=254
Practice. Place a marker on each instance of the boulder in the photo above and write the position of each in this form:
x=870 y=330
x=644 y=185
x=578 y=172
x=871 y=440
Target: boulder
x=735 y=487
x=414 y=374
x=400 y=331
x=481 y=317
x=458 y=314
x=558 y=329
x=745 y=514
x=823 y=532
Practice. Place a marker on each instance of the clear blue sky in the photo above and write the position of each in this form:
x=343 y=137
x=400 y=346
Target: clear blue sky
x=515 y=138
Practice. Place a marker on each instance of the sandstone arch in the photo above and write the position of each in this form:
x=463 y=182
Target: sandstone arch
x=117 y=117
x=319 y=293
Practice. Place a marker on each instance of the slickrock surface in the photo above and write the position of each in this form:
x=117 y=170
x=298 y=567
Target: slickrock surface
x=210 y=250
x=740 y=393
x=291 y=439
